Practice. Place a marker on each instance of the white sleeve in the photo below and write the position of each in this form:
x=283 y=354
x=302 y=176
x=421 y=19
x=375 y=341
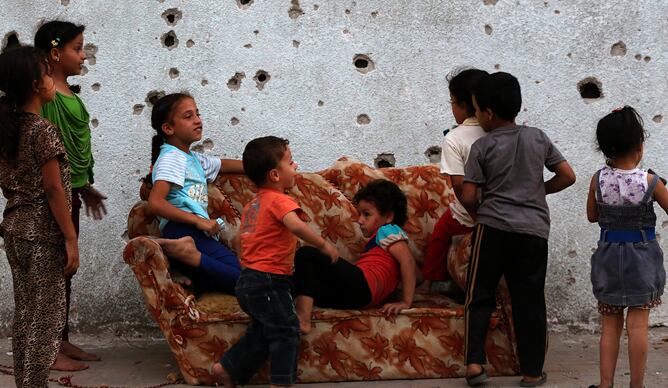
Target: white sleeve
x=210 y=165
x=452 y=162
x=171 y=167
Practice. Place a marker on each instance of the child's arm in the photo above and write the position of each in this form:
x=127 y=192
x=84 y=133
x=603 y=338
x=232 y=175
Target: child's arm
x=457 y=184
x=55 y=195
x=469 y=198
x=661 y=194
x=563 y=177
x=592 y=209
x=400 y=252
x=158 y=205
x=301 y=230
x=231 y=166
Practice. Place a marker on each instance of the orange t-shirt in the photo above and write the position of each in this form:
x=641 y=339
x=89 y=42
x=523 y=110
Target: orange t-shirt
x=266 y=244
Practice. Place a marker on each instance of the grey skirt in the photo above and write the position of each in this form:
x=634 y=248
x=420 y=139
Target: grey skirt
x=627 y=274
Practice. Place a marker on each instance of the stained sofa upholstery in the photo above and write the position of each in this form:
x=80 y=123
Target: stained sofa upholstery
x=426 y=341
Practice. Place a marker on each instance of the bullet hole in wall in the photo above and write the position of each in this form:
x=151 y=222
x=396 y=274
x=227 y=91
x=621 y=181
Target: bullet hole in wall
x=384 y=160
x=174 y=73
x=248 y=45
x=363 y=119
x=363 y=63
x=489 y=2
x=488 y=29
x=497 y=66
x=295 y=43
x=295 y=10
x=557 y=12
x=10 y=39
x=647 y=58
x=374 y=14
x=347 y=12
x=618 y=49
x=65 y=2
x=638 y=57
x=321 y=103
x=433 y=153
x=137 y=109
x=204 y=82
x=590 y=88
x=90 y=49
x=170 y=40
x=261 y=78
x=84 y=70
x=96 y=87
x=153 y=96
x=94 y=123
x=657 y=119
x=256 y=32
x=172 y=16
x=234 y=83
x=234 y=121
x=244 y=4
x=316 y=7
x=208 y=144
x=190 y=43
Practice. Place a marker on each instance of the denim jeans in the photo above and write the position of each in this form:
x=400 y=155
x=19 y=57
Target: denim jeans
x=273 y=332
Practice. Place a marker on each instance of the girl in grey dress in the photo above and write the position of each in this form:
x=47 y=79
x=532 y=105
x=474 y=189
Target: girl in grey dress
x=627 y=267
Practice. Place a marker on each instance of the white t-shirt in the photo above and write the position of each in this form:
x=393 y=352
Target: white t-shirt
x=454 y=154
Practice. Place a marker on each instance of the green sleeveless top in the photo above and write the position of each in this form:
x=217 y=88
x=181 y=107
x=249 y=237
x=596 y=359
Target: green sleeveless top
x=69 y=114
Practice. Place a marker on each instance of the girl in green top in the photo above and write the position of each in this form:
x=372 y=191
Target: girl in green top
x=63 y=44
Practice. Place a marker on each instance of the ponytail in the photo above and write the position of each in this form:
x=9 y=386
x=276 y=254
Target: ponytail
x=20 y=68
x=157 y=142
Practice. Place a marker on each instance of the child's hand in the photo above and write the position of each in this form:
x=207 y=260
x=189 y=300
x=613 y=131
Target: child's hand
x=395 y=308
x=209 y=227
x=72 y=257
x=331 y=251
x=94 y=202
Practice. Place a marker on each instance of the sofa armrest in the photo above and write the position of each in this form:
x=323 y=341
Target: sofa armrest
x=164 y=297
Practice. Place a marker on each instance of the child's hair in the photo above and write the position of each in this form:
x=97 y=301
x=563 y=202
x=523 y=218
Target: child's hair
x=162 y=113
x=461 y=83
x=501 y=93
x=619 y=132
x=20 y=68
x=387 y=197
x=55 y=34
x=261 y=155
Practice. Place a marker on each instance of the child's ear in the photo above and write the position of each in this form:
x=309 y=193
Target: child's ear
x=167 y=129
x=54 y=55
x=273 y=175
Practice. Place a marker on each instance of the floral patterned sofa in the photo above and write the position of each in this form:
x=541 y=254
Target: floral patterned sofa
x=426 y=341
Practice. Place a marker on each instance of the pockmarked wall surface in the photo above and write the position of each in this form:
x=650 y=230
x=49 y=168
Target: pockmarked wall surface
x=357 y=78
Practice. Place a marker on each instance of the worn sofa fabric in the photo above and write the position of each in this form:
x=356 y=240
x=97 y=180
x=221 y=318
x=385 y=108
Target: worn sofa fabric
x=426 y=341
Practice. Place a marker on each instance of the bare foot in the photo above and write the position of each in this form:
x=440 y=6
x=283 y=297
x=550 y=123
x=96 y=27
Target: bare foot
x=220 y=376
x=76 y=353
x=66 y=364
x=182 y=249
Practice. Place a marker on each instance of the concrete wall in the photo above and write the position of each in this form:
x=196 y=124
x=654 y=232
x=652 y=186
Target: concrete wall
x=314 y=95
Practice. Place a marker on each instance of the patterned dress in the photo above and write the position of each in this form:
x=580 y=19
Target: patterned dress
x=35 y=249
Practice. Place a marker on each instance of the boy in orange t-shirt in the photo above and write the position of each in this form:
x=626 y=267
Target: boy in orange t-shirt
x=269 y=224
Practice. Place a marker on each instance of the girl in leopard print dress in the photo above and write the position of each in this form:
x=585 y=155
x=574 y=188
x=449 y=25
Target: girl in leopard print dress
x=37 y=229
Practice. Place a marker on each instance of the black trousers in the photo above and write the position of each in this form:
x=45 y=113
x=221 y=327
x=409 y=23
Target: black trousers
x=522 y=259
x=341 y=285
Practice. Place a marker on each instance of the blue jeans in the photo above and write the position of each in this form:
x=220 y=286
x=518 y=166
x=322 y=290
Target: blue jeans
x=218 y=268
x=273 y=332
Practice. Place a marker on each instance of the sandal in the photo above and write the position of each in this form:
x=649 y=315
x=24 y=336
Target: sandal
x=478 y=379
x=536 y=383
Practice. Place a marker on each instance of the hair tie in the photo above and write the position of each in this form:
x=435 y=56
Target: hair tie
x=55 y=42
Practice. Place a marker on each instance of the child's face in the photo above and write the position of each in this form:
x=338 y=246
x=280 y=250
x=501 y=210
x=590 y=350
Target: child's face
x=458 y=110
x=185 y=124
x=370 y=218
x=284 y=174
x=70 y=56
x=484 y=116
